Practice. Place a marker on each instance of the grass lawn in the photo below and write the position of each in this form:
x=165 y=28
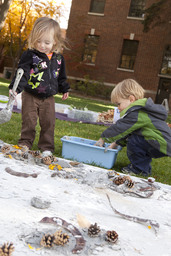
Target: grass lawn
x=10 y=133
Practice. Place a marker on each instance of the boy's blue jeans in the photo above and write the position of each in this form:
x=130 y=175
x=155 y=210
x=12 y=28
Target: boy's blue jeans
x=140 y=154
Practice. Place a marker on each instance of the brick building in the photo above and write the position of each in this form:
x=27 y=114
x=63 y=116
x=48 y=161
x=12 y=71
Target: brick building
x=108 y=44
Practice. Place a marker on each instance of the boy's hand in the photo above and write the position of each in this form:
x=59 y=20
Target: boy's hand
x=99 y=143
x=12 y=94
x=113 y=145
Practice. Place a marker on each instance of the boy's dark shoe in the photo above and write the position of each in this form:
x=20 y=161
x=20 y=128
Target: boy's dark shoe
x=132 y=171
x=127 y=170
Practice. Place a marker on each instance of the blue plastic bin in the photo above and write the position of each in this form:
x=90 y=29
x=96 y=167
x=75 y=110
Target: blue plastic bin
x=84 y=150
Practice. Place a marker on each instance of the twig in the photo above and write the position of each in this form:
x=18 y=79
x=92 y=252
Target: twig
x=152 y=223
x=20 y=174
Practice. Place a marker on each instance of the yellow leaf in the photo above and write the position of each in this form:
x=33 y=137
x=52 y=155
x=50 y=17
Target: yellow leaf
x=30 y=247
x=149 y=227
x=16 y=146
x=82 y=221
x=59 y=167
x=51 y=166
x=38 y=249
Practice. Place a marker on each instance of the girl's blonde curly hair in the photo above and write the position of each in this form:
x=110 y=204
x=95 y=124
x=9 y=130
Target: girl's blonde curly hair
x=126 y=88
x=44 y=25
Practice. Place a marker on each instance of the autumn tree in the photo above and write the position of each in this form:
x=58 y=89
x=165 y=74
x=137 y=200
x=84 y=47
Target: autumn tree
x=19 y=22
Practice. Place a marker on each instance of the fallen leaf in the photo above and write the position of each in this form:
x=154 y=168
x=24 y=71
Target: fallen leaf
x=82 y=221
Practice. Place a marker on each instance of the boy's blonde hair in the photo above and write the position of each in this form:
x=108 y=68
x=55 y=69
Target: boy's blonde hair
x=126 y=88
x=44 y=25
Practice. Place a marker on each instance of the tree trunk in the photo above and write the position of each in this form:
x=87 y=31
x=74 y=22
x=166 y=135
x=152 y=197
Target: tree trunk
x=4 y=6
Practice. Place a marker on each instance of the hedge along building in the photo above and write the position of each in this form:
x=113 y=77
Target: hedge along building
x=108 y=44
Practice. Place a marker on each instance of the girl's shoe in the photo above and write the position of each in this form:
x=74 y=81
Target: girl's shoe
x=46 y=153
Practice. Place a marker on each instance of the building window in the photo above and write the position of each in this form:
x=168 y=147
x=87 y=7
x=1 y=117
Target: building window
x=166 y=63
x=97 y=6
x=137 y=8
x=90 y=49
x=129 y=52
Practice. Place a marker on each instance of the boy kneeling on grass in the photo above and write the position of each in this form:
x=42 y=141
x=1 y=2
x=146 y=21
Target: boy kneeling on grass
x=142 y=128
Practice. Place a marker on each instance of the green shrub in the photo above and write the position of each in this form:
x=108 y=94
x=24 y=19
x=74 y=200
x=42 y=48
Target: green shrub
x=91 y=88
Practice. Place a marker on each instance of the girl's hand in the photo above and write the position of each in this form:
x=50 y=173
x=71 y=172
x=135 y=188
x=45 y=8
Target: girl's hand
x=65 y=96
x=12 y=94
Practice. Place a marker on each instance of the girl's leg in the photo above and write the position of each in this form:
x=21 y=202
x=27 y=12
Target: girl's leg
x=29 y=119
x=47 y=124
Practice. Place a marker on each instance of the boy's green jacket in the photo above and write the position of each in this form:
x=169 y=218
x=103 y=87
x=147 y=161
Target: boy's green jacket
x=143 y=118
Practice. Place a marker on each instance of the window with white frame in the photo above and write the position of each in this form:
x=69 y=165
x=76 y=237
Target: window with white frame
x=128 y=55
x=90 y=48
x=137 y=8
x=166 y=62
x=97 y=6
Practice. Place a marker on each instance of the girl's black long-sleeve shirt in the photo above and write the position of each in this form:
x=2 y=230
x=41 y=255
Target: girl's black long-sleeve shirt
x=42 y=77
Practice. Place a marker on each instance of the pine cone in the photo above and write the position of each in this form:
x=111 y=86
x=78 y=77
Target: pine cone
x=111 y=174
x=24 y=148
x=47 y=160
x=61 y=238
x=24 y=155
x=15 y=151
x=5 y=148
x=127 y=177
x=129 y=183
x=53 y=158
x=6 y=249
x=47 y=240
x=119 y=180
x=93 y=230
x=111 y=236
x=36 y=153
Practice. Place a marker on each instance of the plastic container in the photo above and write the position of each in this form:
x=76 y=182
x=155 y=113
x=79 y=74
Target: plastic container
x=61 y=108
x=82 y=115
x=84 y=150
x=3 y=99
